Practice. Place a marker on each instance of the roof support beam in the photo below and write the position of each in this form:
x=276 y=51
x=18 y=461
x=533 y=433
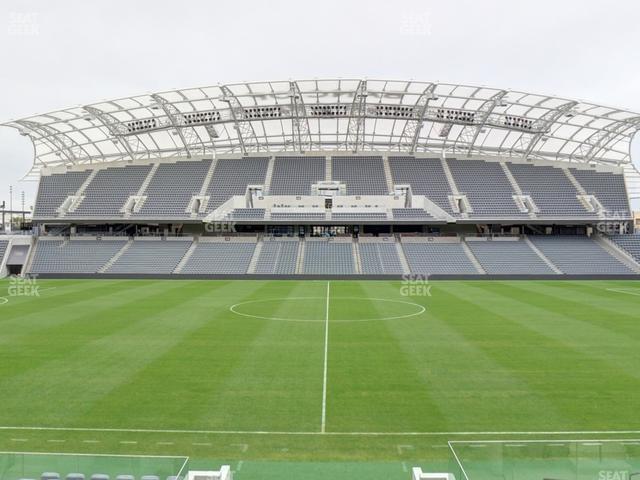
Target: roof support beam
x=543 y=125
x=60 y=143
x=412 y=128
x=483 y=113
x=187 y=135
x=115 y=127
x=600 y=138
x=244 y=128
x=355 y=129
x=299 y=120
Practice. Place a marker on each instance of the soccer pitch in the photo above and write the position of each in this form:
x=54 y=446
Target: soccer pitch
x=301 y=371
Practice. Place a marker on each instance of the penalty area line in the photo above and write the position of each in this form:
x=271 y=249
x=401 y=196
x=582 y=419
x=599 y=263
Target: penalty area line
x=311 y=433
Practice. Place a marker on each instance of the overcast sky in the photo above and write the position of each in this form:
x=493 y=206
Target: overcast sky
x=56 y=54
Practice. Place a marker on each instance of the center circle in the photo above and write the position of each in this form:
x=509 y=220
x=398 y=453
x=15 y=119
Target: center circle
x=314 y=309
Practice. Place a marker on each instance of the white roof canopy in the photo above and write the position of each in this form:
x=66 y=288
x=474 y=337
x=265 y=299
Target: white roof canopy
x=332 y=115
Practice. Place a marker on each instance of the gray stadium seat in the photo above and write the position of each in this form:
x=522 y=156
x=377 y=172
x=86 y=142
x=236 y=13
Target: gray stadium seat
x=629 y=243
x=73 y=256
x=151 y=257
x=54 y=190
x=278 y=257
x=109 y=190
x=426 y=177
x=219 y=258
x=550 y=189
x=295 y=175
x=438 y=258
x=513 y=257
x=172 y=187
x=328 y=258
x=362 y=175
x=232 y=176
x=487 y=188
x=608 y=188
x=578 y=255
x=379 y=258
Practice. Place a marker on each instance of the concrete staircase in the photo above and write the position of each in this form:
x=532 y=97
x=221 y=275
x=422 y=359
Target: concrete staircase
x=300 y=259
x=30 y=256
x=387 y=173
x=256 y=256
x=472 y=258
x=616 y=252
x=269 y=176
x=574 y=181
x=328 y=169
x=542 y=256
x=403 y=260
x=115 y=258
x=447 y=173
x=147 y=181
x=79 y=195
x=511 y=178
x=356 y=257
x=208 y=178
x=187 y=256
x=4 y=258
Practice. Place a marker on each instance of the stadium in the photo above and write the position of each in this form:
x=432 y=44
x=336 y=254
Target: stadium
x=327 y=278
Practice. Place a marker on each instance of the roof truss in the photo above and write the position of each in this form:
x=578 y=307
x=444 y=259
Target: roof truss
x=351 y=115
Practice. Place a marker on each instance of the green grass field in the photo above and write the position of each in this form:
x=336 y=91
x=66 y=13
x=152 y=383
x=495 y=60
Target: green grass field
x=235 y=370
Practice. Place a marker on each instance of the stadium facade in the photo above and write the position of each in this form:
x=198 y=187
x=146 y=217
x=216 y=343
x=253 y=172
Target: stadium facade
x=332 y=178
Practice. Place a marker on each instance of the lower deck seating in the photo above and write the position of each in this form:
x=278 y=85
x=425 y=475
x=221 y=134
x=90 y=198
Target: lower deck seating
x=3 y=248
x=629 y=243
x=73 y=256
x=380 y=259
x=219 y=258
x=438 y=258
x=151 y=257
x=278 y=258
x=513 y=257
x=328 y=258
x=575 y=255
x=579 y=255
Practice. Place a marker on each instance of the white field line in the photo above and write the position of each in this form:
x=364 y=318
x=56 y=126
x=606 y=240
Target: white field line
x=455 y=455
x=346 y=434
x=557 y=443
x=186 y=459
x=635 y=292
x=326 y=351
